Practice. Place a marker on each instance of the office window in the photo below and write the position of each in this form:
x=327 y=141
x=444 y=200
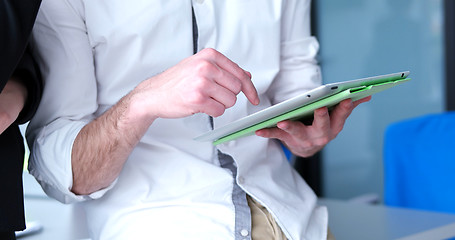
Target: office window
x=361 y=38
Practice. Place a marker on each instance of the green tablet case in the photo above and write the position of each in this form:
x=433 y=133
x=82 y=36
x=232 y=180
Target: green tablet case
x=307 y=110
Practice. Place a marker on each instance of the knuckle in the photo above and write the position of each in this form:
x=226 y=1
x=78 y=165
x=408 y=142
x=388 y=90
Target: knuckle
x=218 y=112
x=323 y=141
x=236 y=87
x=338 y=129
x=200 y=83
x=231 y=102
x=204 y=66
x=196 y=98
x=209 y=51
x=307 y=144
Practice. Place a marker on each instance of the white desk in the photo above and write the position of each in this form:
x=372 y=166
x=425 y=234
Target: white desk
x=347 y=220
x=352 y=221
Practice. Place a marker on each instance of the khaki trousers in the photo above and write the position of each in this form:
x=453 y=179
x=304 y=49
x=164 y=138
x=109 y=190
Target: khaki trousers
x=264 y=226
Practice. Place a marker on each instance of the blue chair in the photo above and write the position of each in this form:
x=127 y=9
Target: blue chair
x=419 y=163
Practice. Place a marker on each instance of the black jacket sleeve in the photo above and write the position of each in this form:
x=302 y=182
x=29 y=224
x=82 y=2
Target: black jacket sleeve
x=17 y=18
x=27 y=72
x=16 y=22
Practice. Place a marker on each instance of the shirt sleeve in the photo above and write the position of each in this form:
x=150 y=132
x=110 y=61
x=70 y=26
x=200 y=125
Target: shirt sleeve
x=299 y=69
x=64 y=54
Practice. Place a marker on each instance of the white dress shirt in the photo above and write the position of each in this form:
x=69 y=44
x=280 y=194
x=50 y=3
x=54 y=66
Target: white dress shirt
x=93 y=52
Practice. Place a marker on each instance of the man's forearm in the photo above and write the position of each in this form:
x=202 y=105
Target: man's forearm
x=206 y=82
x=103 y=146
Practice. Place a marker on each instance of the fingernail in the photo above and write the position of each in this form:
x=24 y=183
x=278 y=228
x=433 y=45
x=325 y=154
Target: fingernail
x=282 y=125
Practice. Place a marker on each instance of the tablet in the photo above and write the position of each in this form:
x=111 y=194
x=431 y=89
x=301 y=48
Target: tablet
x=303 y=105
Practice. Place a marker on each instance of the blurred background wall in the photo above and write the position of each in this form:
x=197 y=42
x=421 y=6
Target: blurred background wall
x=361 y=38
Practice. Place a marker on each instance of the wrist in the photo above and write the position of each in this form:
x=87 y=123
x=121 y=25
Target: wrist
x=134 y=111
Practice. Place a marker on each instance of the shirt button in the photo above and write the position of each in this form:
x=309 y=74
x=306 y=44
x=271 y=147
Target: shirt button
x=200 y=1
x=244 y=232
x=241 y=180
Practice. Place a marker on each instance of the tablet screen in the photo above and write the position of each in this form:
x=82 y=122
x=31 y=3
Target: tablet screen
x=304 y=99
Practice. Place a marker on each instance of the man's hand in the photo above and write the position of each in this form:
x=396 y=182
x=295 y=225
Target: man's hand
x=305 y=141
x=207 y=82
x=12 y=100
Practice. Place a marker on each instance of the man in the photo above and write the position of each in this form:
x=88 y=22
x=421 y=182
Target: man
x=20 y=90
x=125 y=96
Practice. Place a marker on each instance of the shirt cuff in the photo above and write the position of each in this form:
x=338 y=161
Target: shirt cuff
x=65 y=195
x=50 y=161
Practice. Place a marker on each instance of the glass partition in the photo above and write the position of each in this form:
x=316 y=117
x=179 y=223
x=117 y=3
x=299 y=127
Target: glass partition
x=361 y=38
